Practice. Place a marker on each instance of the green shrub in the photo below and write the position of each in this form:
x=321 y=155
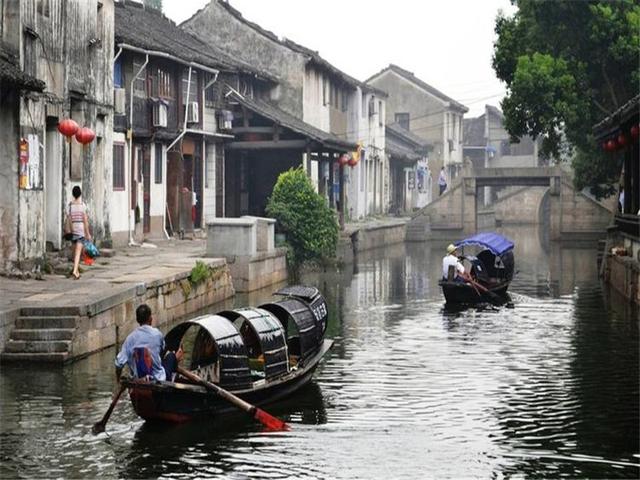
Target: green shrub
x=310 y=225
x=200 y=273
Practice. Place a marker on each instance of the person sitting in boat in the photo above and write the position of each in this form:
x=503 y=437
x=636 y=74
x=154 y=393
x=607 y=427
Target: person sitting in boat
x=451 y=260
x=143 y=349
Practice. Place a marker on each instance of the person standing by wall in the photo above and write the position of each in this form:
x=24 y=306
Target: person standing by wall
x=442 y=181
x=77 y=213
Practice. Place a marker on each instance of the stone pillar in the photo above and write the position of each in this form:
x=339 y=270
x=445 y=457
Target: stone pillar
x=555 y=208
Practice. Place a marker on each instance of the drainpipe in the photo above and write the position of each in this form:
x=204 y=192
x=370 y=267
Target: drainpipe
x=130 y=139
x=204 y=143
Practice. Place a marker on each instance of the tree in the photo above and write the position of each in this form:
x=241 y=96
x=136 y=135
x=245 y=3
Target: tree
x=310 y=225
x=567 y=65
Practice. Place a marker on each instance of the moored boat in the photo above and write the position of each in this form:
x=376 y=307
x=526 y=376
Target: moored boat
x=491 y=269
x=258 y=354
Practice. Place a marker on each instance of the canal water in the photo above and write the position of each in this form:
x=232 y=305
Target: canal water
x=548 y=389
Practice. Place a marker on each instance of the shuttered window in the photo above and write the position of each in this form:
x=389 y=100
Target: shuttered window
x=118 y=166
x=158 y=161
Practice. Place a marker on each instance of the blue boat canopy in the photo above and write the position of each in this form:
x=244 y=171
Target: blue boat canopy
x=490 y=240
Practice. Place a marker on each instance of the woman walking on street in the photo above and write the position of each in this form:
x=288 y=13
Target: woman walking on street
x=79 y=228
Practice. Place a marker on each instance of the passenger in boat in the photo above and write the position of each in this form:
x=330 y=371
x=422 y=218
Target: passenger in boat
x=451 y=259
x=143 y=350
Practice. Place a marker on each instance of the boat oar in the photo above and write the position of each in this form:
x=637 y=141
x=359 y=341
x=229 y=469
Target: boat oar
x=477 y=286
x=100 y=426
x=269 y=421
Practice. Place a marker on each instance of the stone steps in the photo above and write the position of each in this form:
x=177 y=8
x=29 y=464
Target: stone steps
x=41 y=335
x=36 y=346
x=48 y=357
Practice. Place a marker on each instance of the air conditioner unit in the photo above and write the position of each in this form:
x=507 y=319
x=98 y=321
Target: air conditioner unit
x=119 y=101
x=192 y=113
x=159 y=115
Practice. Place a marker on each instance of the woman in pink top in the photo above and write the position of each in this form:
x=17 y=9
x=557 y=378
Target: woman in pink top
x=79 y=228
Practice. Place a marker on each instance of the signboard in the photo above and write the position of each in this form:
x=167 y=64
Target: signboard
x=30 y=177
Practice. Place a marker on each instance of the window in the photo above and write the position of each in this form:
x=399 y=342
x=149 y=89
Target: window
x=160 y=83
x=380 y=115
x=139 y=85
x=364 y=104
x=402 y=119
x=345 y=100
x=193 y=94
x=118 y=166
x=118 y=79
x=158 y=165
x=325 y=91
x=211 y=93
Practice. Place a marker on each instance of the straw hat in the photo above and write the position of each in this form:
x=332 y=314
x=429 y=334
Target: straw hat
x=451 y=248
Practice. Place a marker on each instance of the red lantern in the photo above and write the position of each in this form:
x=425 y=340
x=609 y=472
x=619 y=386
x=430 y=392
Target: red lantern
x=353 y=161
x=85 y=135
x=68 y=128
x=622 y=140
x=635 y=130
x=611 y=145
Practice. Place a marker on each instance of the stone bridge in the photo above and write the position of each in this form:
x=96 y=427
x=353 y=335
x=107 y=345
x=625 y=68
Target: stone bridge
x=569 y=214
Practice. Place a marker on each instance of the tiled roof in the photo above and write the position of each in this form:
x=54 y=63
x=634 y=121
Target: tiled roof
x=620 y=115
x=312 y=55
x=425 y=86
x=406 y=135
x=151 y=30
x=287 y=120
x=11 y=73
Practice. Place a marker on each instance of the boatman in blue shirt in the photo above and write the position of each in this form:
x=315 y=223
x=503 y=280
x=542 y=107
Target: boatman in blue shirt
x=144 y=351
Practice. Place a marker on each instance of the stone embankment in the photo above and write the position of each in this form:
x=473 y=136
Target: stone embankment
x=60 y=320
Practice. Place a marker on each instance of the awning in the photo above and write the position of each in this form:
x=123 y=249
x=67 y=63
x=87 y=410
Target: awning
x=293 y=123
x=490 y=240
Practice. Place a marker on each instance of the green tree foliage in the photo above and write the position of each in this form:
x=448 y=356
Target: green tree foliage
x=567 y=65
x=310 y=225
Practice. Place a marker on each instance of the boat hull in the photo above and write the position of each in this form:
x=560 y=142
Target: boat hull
x=177 y=402
x=458 y=293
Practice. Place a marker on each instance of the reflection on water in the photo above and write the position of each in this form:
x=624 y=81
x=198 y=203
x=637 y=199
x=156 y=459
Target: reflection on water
x=547 y=389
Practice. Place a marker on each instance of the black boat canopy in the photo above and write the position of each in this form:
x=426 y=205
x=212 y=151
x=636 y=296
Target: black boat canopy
x=270 y=334
x=492 y=241
x=313 y=298
x=230 y=349
x=309 y=332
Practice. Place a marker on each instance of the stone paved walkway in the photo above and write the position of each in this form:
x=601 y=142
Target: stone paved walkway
x=106 y=277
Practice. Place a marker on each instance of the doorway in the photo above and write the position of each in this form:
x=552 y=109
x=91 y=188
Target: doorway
x=53 y=185
x=146 y=194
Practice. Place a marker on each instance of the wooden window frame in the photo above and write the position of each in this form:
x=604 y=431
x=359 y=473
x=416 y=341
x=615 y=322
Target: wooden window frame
x=116 y=186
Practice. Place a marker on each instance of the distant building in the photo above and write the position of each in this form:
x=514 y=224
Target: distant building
x=487 y=144
x=56 y=62
x=319 y=95
x=410 y=178
x=426 y=112
x=172 y=119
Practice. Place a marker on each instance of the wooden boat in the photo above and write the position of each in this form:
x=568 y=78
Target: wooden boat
x=259 y=354
x=492 y=268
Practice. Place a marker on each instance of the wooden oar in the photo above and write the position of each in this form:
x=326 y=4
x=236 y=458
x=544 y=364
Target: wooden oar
x=100 y=426
x=269 y=421
x=493 y=296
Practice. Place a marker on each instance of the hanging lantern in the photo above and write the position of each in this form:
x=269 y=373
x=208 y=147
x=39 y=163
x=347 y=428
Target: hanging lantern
x=353 y=161
x=622 y=140
x=611 y=145
x=635 y=130
x=85 y=135
x=68 y=128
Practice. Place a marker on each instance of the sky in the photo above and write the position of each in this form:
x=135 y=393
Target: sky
x=446 y=43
